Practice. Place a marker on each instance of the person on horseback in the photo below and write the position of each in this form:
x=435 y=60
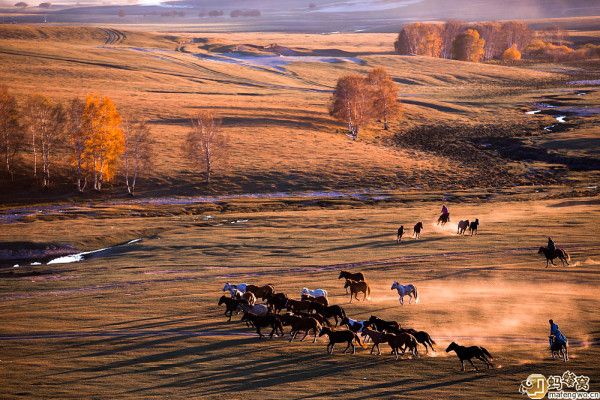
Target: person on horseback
x=445 y=211
x=551 y=246
x=556 y=334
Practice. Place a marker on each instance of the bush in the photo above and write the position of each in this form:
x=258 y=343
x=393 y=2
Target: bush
x=21 y=4
x=45 y=5
x=545 y=51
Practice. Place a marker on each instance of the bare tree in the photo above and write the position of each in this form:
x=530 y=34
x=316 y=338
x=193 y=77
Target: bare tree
x=352 y=103
x=385 y=95
x=50 y=138
x=77 y=135
x=11 y=135
x=138 y=153
x=206 y=144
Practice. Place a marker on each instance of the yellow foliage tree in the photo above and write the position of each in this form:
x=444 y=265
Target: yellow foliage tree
x=106 y=141
x=511 y=54
x=468 y=46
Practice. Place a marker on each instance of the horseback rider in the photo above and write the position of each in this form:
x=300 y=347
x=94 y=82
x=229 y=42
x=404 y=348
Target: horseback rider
x=556 y=334
x=445 y=211
x=551 y=246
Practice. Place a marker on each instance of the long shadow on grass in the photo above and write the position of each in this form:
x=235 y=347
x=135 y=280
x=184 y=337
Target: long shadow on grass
x=377 y=245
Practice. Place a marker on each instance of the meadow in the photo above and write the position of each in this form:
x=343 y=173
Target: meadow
x=296 y=202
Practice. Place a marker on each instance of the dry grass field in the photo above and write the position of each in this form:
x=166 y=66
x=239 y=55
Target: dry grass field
x=296 y=202
x=143 y=321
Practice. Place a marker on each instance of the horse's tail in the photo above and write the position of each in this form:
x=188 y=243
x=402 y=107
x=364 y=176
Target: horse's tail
x=368 y=291
x=487 y=353
x=430 y=339
x=416 y=295
x=357 y=339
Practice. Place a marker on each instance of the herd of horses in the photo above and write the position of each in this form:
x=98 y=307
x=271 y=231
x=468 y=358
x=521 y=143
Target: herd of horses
x=313 y=315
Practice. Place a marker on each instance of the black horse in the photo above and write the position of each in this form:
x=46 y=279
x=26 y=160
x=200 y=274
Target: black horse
x=467 y=353
x=400 y=234
x=443 y=219
x=473 y=226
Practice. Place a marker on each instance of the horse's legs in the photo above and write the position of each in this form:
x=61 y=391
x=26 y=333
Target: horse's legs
x=315 y=339
x=471 y=361
x=305 y=335
x=365 y=296
x=330 y=348
x=401 y=300
x=353 y=348
x=347 y=347
x=350 y=300
x=410 y=297
x=462 y=365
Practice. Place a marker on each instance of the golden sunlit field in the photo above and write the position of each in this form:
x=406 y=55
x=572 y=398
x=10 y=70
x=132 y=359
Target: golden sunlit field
x=295 y=202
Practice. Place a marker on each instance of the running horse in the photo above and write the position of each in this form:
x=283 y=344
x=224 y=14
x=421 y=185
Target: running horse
x=404 y=290
x=562 y=255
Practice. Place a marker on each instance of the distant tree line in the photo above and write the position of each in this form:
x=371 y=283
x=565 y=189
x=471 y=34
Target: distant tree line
x=357 y=100
x=484 y=41
x=90 y=143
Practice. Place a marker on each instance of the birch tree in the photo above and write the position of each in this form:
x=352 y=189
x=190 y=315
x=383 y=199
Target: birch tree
x=138 y=153
x=206 y=145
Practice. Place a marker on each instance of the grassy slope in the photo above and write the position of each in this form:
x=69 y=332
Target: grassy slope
x=281 y=135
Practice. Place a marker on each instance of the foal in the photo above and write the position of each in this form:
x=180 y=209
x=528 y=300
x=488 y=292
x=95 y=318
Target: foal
x=340 y=337
x=356 y=288
x=467 y=353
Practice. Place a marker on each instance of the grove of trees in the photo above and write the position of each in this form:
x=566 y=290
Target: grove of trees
x=482 y=41
x=38 y=134
x=357 y=100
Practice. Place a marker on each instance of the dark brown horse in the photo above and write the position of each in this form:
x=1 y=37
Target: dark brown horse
x=417 y=230
x=264 y=321
x=358 y=287
x=473 y=226
x=467 y=353
x=231 y=305
x=277 y=302
x=462 y=227
x=305 y=325
x=421 y=336
x=342 y=336
x=376 y=337
x=562 y=255
x=320 y=299
x=402 y=341
x=443 y=219
x=382 y=325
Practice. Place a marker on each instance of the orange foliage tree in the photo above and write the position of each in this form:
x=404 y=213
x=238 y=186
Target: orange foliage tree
x=105 y=142
x=511 y=54
x=352 y=103
x=468 y=46
x=384 y=93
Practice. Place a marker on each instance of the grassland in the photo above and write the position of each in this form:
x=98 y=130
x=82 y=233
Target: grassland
x=142 y=321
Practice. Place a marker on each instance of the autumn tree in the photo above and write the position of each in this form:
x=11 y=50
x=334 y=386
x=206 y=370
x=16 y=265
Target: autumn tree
x=450 y=30
x=77 y=137
x=44 y=122
x=206 y=144
x=138 y=152
x=468 y=46
x=419 y=38
x=511 y=54
x=11 y=134
x=105 y=142
x=384 y=93
x=352 y=103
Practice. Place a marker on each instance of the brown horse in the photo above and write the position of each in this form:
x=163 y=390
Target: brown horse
x=421 y=336
x=376 y=337
x=358 y=287
x=262 y=292
x=277 y=302
x=562 y=255
x=358 y=276
x=417 y=230
x=443 y=219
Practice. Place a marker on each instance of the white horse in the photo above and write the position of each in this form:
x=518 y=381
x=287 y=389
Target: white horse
x=404 y=290
x=232 y=288
x=257 y=309
x=314 y=293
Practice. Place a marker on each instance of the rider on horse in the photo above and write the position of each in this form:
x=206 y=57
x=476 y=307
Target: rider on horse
x=445 y=211
x=551 y=246
x=556 y=334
